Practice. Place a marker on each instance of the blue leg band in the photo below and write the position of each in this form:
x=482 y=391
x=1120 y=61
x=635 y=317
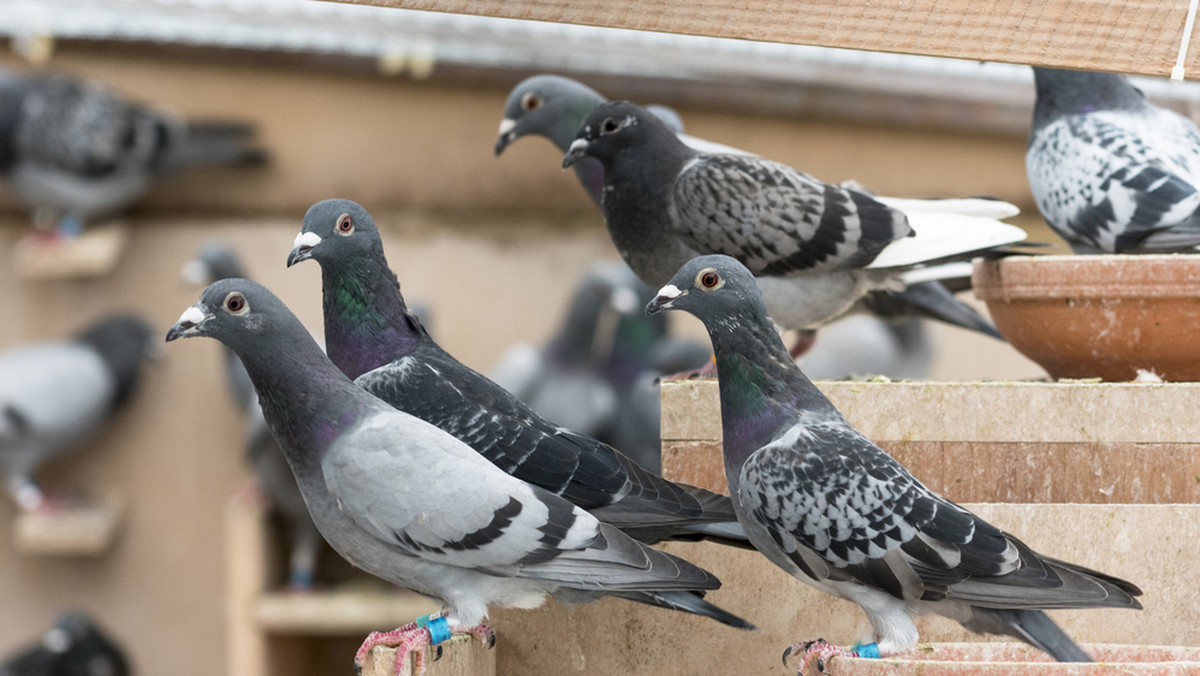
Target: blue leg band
x=869 y=651
x=439 y=628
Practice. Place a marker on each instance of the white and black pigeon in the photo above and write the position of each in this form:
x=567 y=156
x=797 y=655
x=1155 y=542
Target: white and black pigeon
x=217 y=260
x=372 y=336
x=74 y=646
x=407 y=502
x=56 y=395
x=816 y=248
x=1112 y=172
x=831 y=508
x=72 y=150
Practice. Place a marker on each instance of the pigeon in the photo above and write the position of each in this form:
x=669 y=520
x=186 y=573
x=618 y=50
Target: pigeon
x=409 y=503
x=372 y=336
x=1112 y=172
x=216 y=260
x=825 y=504
x=562 y=380
x=73 y=150
x=815 y=248
x=55 y=395
x=555 y=107
x=73 y=646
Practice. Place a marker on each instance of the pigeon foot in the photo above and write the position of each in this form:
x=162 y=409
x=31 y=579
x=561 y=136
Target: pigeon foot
x=820 y=650
x=427 y=631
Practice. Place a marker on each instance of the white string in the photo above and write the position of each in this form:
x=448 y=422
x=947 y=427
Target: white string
x=1177 y=71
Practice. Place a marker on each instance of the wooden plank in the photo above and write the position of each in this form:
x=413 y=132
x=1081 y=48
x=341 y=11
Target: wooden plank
x=247 y=562
x=94 y=253
x=344 y=611
x=86 y=529
x=462 y=655
x=1140 y=36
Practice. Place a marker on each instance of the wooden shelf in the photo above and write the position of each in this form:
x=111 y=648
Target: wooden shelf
x=76 y=530
x=1131 y=37
x=92 y=254
x=339 y=611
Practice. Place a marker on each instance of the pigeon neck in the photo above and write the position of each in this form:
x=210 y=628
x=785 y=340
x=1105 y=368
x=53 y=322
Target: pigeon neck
x=638 y=215
x=367 y=323
x=762 y=389
x=1067 y=92
x=306 y=401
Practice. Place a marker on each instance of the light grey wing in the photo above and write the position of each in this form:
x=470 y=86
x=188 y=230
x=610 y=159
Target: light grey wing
x=52 y=395
x=1119 y=181
x=776 y=220
x=441 y=501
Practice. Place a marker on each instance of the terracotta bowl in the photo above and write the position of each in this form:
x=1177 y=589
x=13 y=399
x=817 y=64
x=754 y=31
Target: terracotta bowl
x=997 y=659
x=1098 y=316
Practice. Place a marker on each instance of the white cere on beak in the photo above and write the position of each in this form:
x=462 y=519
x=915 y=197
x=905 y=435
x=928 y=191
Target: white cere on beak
x=308 y=239
x=194 y=272
x=577 y=145
x=670 y=292
x=624 y=300
x=192 y=315
x=56 y=640
x=506 y=125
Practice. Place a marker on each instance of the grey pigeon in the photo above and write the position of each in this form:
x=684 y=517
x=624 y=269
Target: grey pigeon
x=372 y=336
x=72 y=150
x=1112 y=172
x=73 y=646
x=562 y=380
x=407 y=502
x=554 y=107
x=815 y=248
x=216 y=260
x=824 y=503
x=55 y=395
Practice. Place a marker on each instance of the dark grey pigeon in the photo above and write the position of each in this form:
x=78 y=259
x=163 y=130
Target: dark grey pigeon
x=407 y=502
x=1112 y=172
x=554 y=107
x=73 y=646
x=834 y=510
x=216 y=260
x=56 y=395
x=72 y=150
x=372 y=336
x=816 y=248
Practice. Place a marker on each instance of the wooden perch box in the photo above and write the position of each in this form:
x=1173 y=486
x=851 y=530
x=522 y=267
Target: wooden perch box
x=1062 y=442
x=92 y=254
x=76 y=530
x=462 y=655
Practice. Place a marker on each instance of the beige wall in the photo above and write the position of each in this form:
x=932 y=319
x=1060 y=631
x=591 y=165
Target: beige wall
x=491 y=244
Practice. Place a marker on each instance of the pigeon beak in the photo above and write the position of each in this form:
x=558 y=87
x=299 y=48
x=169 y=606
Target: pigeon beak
x=194 y=272
x=623 y=300
x=665 y=299
x=577 y=150
x=507 y=135
x=190 y=323
x=302 y=247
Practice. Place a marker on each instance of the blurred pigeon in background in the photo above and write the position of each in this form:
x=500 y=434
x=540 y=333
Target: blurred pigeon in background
x=372 y=337
x=815 y=248
x=73 y=646
x=55 y=395
x=1112 y=172
x=216 y=260
x=72 y=150
x=831 y=508
x=408 y=502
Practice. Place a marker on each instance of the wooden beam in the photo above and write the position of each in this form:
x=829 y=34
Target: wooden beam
x=1138 y=36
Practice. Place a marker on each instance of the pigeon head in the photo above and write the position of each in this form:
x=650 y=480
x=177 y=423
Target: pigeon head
x=614 y=126
x=1064 y=92
x=334 y=229
x=712 y=288
x=235 y=311
x=546 y=105
x=123 y=342
x=216 y=260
